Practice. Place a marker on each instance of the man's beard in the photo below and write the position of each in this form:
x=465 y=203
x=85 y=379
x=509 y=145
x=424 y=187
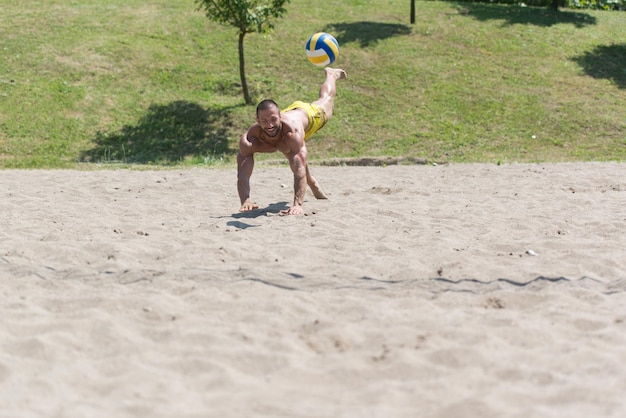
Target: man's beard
x=274 y=132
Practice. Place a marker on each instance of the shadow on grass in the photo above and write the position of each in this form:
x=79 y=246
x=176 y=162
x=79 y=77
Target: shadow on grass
x=166 y=134
x=516 y=15
x=605 y=61
x=366 y=33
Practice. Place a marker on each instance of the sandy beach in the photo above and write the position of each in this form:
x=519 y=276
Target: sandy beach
x=414 y=291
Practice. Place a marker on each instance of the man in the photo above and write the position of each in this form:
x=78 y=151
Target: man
x=286 y=132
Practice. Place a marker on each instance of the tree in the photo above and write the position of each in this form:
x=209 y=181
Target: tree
x=247 y=16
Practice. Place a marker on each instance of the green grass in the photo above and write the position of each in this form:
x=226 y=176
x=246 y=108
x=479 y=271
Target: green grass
x=155 y=82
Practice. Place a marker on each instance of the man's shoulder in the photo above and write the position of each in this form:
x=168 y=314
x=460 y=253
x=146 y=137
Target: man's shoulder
x=294 y=119
x=254 y=131
x=292 y=130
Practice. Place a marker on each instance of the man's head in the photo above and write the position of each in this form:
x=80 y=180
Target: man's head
x=268 y=117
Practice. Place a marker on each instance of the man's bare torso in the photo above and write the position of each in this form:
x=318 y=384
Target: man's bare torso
x=293 y=125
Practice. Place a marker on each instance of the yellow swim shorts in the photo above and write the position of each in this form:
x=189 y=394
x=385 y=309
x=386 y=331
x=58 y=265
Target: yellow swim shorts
x=317 y=116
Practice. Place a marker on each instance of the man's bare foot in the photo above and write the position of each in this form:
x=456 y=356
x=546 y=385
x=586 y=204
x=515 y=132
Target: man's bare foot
x=314 y=185
x=337 y=72
x=318 y=193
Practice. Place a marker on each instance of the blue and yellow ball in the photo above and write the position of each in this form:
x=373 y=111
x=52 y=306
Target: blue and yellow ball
x=322 y=49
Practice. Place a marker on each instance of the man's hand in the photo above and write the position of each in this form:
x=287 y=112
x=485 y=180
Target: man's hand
x=294 y=210
x=247 y=206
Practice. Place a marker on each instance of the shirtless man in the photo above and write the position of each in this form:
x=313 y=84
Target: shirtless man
x=286 y=132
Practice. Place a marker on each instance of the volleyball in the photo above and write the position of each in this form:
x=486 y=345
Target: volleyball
x=322 y=49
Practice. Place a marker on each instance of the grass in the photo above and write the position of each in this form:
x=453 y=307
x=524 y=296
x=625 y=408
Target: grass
x=154 y=82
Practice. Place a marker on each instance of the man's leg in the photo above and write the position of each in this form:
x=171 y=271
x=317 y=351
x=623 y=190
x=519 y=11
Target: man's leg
x=314 y=185
x=326 y=101
x=328 y=90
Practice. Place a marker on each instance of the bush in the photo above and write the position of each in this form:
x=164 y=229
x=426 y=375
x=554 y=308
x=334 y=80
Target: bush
x=574 y=4
x=597 y=4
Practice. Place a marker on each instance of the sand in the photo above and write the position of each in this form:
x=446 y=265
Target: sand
x=415 y=291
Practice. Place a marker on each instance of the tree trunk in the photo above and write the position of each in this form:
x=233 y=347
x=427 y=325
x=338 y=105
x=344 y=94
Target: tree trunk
x=242 y=70
x=412 y=11
x=556 y=3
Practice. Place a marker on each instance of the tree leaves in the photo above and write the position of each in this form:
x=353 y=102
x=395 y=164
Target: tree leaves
x=246 y=15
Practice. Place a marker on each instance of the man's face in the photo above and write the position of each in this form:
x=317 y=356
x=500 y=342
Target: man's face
x=269 y=120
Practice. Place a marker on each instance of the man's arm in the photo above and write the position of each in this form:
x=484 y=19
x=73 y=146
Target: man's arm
x=297 y=162
x=245 y=165
x=249 y=143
